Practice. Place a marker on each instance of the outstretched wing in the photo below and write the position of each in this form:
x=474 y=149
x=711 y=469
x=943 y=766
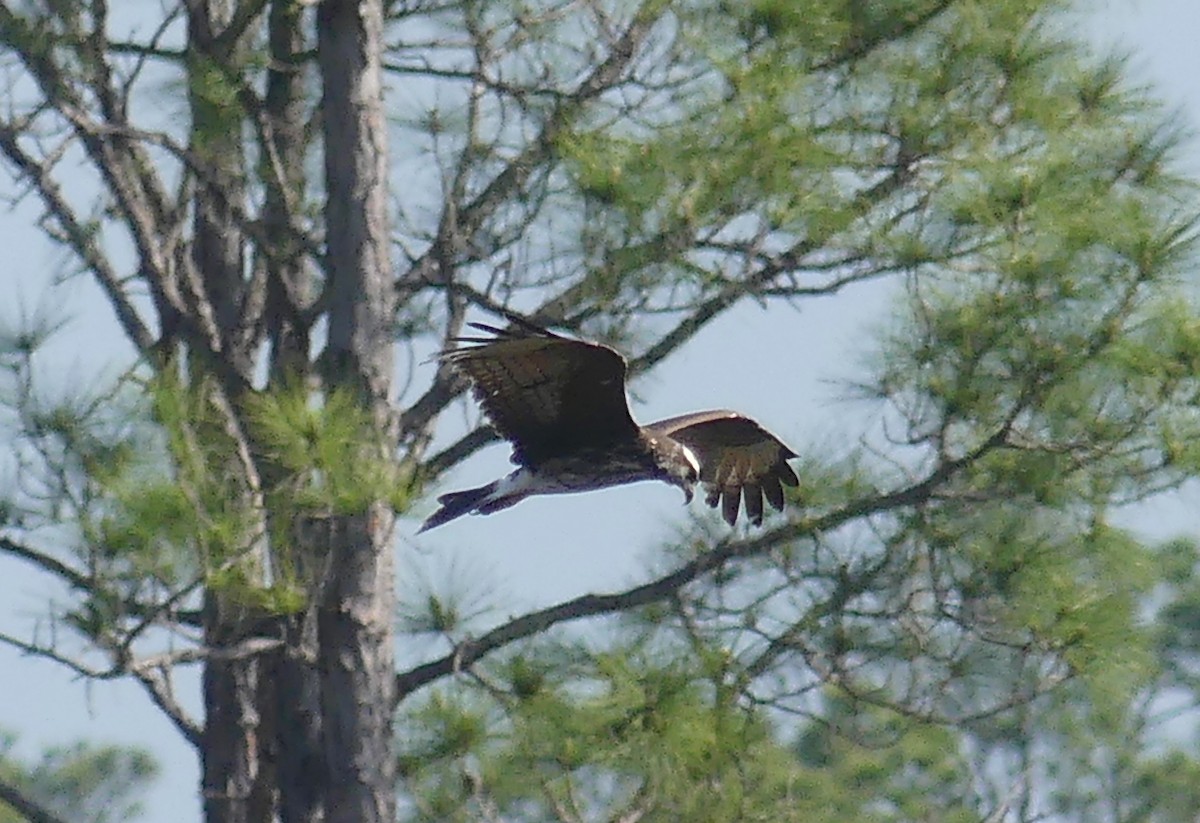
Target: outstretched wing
x=738 y=459
x=548 y=395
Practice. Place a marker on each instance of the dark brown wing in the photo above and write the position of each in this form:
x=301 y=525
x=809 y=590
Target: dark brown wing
x=738 y=459
x=548 y=395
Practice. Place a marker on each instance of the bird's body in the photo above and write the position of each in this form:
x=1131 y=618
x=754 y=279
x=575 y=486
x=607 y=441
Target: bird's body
x=561 y=403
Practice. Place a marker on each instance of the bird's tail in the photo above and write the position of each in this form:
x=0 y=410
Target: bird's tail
x=456 y=504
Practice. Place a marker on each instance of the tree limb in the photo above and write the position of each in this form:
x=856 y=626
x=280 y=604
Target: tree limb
x=591 y=605
x=82 y=240
x=471 y=217
x=157 y=686
x=903 y=25
x=73 y=577
x=25 y=805
x=47 y=653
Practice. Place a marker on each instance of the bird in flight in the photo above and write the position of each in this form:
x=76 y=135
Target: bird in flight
x=561 y=403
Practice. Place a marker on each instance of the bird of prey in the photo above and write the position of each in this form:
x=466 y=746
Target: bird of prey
x=561 y=403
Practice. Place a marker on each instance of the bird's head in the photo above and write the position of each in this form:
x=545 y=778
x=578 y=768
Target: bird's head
x=678 y=464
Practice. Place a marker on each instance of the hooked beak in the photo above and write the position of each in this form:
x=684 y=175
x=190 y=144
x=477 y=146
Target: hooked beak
x=687 y=494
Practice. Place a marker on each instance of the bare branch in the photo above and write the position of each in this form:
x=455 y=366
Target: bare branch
x=472 y=216
x=84 y=583
x=152 y=673
x=73 y=577
x=457 y=451
x=250 y=647
x=47 y=653
x=157 y=685
x=82 y=240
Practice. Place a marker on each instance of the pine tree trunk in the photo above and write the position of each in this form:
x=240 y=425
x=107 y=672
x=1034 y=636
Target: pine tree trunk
x=296 y=700
x=355 y=632
x=292 y=689
x=235 y=786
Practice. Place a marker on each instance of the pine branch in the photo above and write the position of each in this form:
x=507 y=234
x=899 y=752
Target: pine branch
x=897 y=28
x=592 y=605
x=25 y=805
x=71 y=576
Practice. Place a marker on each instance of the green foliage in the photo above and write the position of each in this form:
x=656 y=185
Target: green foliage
x=166 y=496
x=217 y=116
x=950 y=624
x=1039 y=374
x=178 y=508
x=1166 y=789
x=317 y=457
x=628 y=732
x=322 y=447
x=81 y=782
x=889 y=767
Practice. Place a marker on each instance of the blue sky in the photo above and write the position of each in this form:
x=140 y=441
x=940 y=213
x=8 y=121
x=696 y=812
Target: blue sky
x=544 y=550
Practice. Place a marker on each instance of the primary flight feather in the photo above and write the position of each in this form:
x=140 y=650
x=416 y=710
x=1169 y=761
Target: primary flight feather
x=561 y=403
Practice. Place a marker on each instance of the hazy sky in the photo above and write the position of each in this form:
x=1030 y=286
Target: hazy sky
x=777 y=366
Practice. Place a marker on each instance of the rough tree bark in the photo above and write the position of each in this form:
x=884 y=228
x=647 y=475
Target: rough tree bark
x=291 y=689
x=812 y=162
x=236 y=785
x=355 y=632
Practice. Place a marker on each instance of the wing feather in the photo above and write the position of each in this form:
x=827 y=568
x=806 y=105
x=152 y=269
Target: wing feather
x=548 y=395
x=774 y=492
x=729 y=504
x=739 y=460
x=752 y=494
